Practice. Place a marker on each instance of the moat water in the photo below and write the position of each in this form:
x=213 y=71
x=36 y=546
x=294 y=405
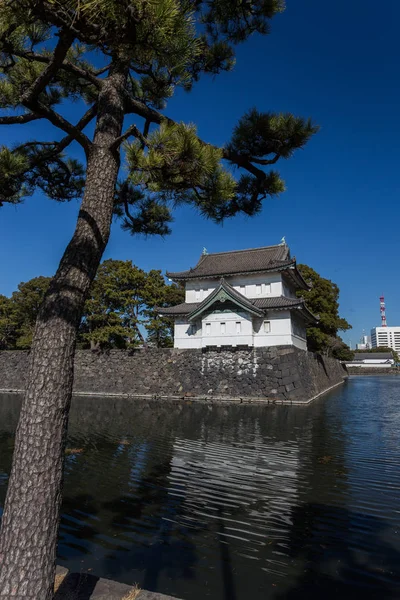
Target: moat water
x=234 y=502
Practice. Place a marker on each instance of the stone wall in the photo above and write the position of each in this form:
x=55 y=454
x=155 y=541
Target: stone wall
x=282 y=374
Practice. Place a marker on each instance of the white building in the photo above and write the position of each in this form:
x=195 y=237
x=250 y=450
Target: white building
x=387 y=337
x=241 y=298
x=364 y=344
x=379 y=360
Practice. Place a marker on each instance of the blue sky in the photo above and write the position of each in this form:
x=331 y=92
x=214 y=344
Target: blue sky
x=337 y=62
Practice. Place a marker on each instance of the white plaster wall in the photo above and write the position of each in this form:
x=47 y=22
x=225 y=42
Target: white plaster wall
x=213 y=336
x=288 y=291
x=182 y=336
x=280 y=333
x=252 y=333
x=299 y=342
x=271 y=285
x=298 y=326
x=369 y=365
x=199 y=290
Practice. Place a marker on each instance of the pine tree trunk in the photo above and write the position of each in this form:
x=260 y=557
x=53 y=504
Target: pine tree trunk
x=31 y=515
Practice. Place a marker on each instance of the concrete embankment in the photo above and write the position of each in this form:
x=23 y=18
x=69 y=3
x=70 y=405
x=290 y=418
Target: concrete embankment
x=272 y=375
x=79 y=586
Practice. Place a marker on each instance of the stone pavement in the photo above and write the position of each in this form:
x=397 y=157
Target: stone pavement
x=84 y=586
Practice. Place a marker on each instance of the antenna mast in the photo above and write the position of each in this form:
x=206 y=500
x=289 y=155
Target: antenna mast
x=383 y=311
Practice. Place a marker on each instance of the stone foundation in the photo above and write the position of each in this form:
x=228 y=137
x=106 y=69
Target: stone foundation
x=279 y=374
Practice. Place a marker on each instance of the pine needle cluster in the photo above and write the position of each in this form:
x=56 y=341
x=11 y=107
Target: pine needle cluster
x=58 y=51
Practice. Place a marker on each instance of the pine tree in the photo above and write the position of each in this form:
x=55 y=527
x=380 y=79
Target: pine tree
x=323 y=300
x=160 y=330
x=121 y=303
x=114 y=59
x=18 y=314
x=8 y=323
x=26 y=302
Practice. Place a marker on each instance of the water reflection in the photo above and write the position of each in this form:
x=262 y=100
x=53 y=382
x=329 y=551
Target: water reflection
x=233 y=502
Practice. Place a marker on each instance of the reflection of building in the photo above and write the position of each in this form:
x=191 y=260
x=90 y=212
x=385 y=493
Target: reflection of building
x=242 y=298
x=238 y=482
x=372 y=359
x=386 y=337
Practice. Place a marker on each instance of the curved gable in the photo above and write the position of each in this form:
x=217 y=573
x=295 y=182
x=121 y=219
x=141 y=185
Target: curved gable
x=221 y=294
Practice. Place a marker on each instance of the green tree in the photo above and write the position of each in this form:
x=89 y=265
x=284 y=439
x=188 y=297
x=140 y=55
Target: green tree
x=323 y=300
x=160 y=330
x=121 y=305
x=18 y=314
x=26 y=302
x=8 y=324
x=111 y=310
x=114 y=58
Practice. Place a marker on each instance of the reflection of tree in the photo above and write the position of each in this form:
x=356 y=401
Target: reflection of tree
x=323 y=457
x=6 y=451
x=202 y=500
x=116 y=504
x=10 y=405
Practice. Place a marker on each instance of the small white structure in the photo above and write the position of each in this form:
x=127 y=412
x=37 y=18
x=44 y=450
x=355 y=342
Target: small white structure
x=241 y=298
x=386 y=337
x=380 y=360
x=364 y=344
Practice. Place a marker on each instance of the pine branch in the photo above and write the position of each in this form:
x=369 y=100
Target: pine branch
x=132 y=130
x=58 y=147
x=58 y=121
x=102 y=70
x=19 y=119
x=140 y=108
x=146 y=128
x=82 y=29
x=127 y=212
x=153 y=116
x=264 y=161
x=246 y=162
x=65 y=66
x=63 y=45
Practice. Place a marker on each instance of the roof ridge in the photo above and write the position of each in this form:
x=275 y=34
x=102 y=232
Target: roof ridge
x=245 y=250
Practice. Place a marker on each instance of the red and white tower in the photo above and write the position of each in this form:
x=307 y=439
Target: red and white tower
x=383 y=311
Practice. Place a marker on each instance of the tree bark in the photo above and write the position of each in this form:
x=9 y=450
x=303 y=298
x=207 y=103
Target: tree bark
x=30 y=520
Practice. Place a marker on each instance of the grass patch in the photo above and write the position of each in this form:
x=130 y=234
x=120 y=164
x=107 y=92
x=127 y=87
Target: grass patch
x=58 y=581
x=133 y=594
x=69 y=451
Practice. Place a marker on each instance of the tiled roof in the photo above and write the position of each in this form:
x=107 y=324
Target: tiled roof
x=358 y=356
x=253 y=260
x=277 y=303
x=180 y=309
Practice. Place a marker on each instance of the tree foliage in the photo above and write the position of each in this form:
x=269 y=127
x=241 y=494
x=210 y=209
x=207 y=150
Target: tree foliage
x=165 y=45
x=323 y=300
x=18 y=314
x=120 y=307
x=8 y=323
x=119 y=311
x=119 y=61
